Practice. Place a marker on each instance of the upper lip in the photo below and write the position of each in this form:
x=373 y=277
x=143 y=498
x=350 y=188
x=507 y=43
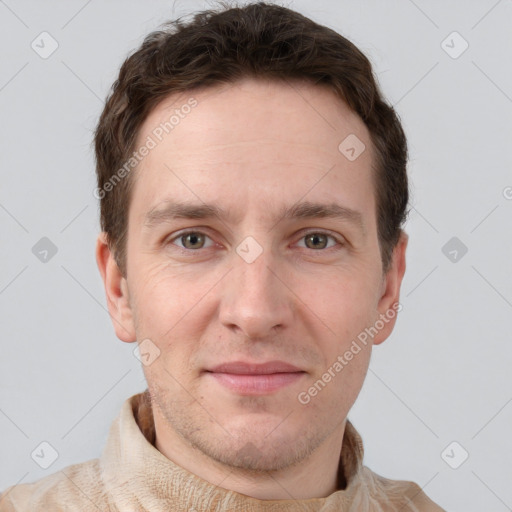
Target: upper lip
x=243 y=368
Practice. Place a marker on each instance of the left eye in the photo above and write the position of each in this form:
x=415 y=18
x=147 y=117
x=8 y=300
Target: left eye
x=317 y=241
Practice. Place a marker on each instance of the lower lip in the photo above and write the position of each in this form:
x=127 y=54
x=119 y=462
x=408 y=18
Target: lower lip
x=256 y=384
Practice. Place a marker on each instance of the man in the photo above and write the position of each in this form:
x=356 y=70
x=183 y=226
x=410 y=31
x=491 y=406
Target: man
x=253 y=190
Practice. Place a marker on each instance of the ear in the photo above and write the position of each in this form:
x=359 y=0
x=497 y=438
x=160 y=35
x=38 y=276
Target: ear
x=388 y=305
x=116 y=289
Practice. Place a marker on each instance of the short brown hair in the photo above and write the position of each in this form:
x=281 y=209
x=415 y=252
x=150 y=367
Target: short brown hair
x=222 y=46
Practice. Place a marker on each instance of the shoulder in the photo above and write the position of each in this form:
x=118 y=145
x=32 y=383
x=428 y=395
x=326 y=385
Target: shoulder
x=395 y=495
x=76 y=487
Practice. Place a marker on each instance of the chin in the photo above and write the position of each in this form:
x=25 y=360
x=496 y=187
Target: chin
x=259 y=455
x=259 y=445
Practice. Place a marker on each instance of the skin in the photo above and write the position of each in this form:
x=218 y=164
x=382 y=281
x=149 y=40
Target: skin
x=253 y=147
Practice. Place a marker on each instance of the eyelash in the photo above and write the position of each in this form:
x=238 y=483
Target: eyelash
x=339 y=241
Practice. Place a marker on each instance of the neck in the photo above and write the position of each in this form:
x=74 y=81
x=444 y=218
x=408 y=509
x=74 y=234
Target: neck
x=314 y=477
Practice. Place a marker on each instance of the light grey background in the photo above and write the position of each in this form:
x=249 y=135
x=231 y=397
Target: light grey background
x=444 y=374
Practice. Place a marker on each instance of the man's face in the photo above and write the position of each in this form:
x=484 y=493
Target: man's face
x=255 y=285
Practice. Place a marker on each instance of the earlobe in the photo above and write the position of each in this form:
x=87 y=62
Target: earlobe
x=389 y=303
x=116 y=290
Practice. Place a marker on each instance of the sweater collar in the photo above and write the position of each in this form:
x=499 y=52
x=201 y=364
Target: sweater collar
x=134 y=471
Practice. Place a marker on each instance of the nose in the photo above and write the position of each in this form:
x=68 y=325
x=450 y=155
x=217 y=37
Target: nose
x=256 y=300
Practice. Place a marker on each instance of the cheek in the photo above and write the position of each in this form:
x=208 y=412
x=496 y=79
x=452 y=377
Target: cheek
x=157 y=295
x=345 y=301
x=346 y=306
x=335 y=389
x=170 y=306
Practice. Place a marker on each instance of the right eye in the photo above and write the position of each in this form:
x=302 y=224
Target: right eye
x=191 y=240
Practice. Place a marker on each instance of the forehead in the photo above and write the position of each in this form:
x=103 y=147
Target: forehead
x=252 y=144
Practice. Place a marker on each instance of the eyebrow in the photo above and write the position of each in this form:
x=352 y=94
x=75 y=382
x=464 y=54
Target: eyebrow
x=171 y=210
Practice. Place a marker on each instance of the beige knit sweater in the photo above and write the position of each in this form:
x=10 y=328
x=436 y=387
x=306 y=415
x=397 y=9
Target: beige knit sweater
x=133 y=476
